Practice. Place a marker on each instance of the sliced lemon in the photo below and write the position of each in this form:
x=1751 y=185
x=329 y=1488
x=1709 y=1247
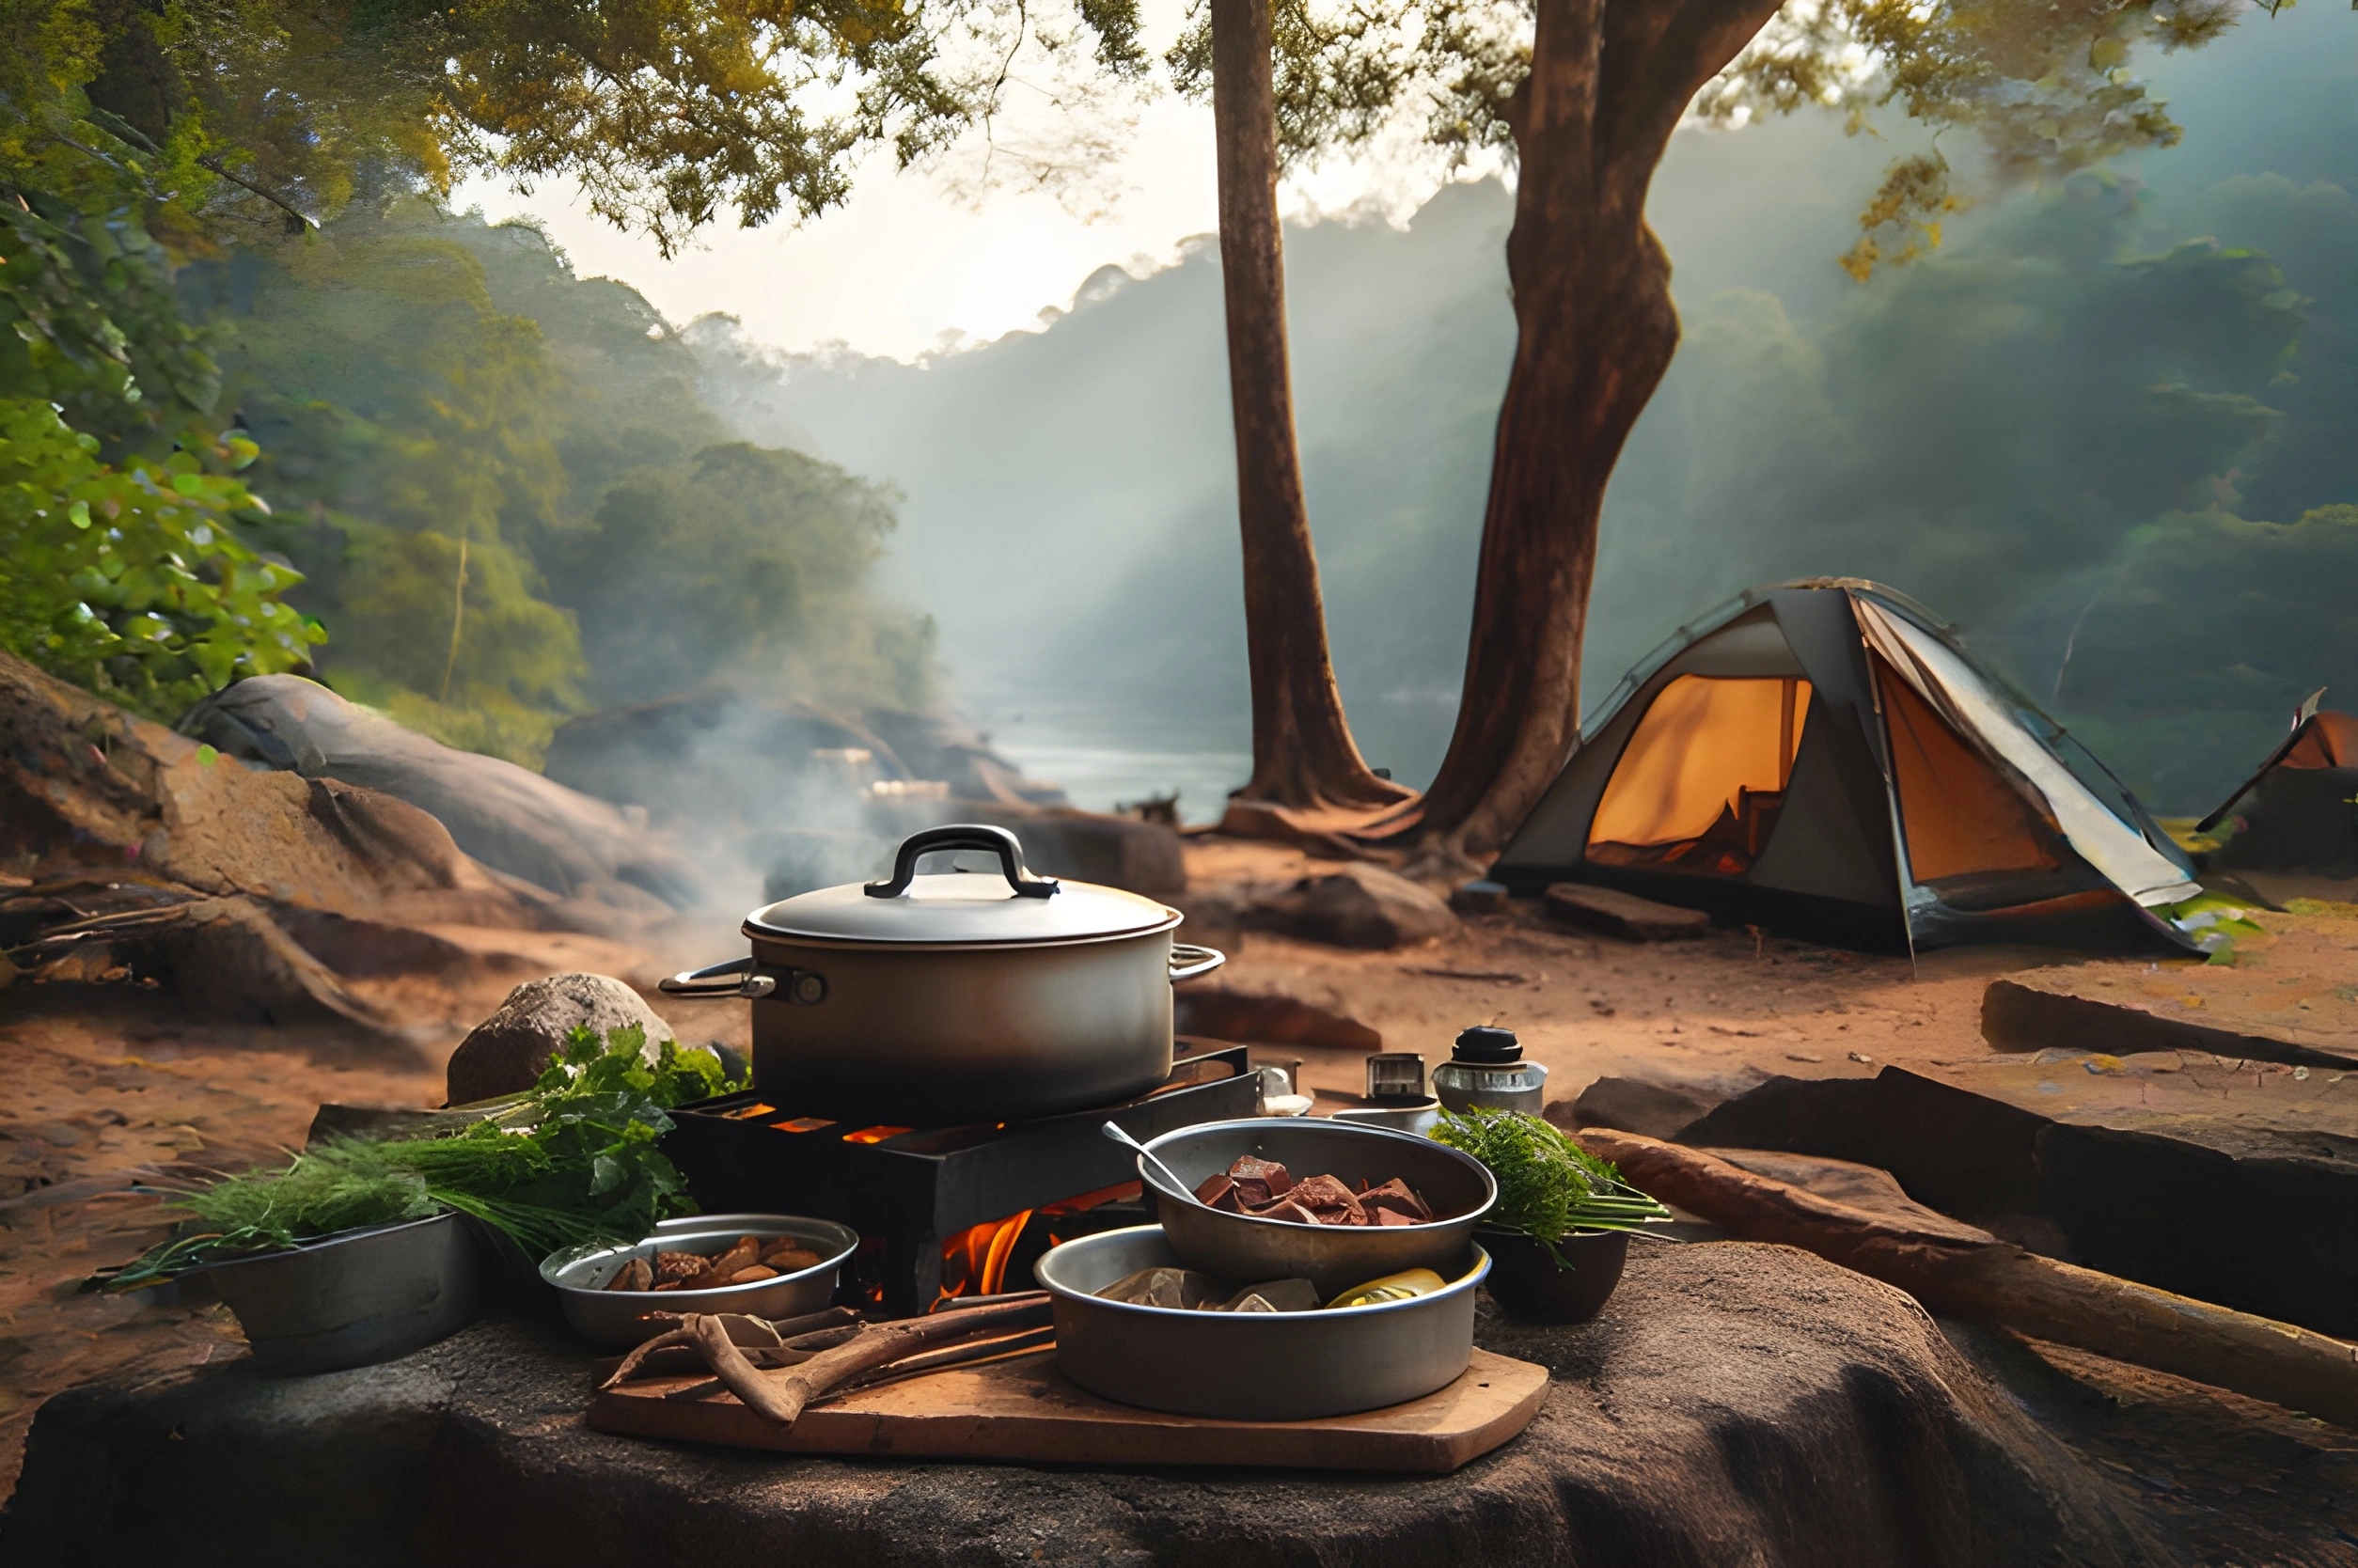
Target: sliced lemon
x=1392 y=1287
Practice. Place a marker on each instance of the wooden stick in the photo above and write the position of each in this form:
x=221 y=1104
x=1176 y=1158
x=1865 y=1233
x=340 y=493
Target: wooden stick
x=746 y=1382
x=952 y=1355
x=781 y=1394
x=644 y=1349
x=881 y=1343
x=1998 y=1282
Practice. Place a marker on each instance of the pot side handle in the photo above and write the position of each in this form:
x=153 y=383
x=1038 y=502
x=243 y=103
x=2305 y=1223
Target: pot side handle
x=957 y=835
x=733 y=978
x=1187 y=961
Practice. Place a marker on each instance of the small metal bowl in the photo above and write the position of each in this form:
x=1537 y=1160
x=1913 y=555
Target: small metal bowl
x=1250 y=1366
x=1334 y=1256
x=620 y=1319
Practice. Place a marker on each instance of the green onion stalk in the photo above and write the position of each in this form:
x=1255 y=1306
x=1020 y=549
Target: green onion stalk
x=573 y=1159
x=1548 y=1185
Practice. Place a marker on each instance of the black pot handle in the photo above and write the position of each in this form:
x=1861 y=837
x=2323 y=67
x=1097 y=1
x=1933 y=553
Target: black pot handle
x=958 y=836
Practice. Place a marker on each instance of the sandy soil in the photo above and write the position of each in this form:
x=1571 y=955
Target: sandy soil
x=104 y=1082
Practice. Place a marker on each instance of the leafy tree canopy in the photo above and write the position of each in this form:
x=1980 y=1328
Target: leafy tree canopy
x=2044 y=90
x=243 y=115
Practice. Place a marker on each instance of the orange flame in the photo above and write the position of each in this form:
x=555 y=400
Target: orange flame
x=975 y=1260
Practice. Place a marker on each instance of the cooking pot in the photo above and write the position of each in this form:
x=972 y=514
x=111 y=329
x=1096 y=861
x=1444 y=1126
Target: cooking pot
x=927 y=1001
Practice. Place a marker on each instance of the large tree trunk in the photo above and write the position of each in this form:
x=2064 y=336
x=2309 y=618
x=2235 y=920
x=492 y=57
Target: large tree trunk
x=1303 y=757
x=1594 y=333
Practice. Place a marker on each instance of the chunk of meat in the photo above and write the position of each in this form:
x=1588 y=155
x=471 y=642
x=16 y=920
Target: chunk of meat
x=1218 y=1192
x=1269 y=1173
x=637 y=1274
x=1329 y=1199
x=1397 y=1195
x=676 y=1266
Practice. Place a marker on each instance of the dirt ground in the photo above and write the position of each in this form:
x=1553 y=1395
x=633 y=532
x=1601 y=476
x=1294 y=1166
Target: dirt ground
x=106 y=1081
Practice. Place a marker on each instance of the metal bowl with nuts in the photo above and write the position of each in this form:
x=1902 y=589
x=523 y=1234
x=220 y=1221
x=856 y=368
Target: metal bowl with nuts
x=767 y=1265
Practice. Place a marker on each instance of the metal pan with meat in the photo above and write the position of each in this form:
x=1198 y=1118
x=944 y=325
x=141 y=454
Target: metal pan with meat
x=1377 y=1202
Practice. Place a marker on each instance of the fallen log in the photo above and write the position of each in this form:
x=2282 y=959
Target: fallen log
x=2000 y=1283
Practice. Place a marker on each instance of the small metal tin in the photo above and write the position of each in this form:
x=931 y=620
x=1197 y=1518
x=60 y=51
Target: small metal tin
x=1401 y=1115
x=620 y=1319
x=1250 y=1366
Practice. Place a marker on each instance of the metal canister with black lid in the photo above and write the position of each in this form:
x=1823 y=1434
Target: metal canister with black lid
x=1486 y=1068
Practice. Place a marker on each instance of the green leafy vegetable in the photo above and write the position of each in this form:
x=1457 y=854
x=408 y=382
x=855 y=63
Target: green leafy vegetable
x=1548 y=1186
x=573 y=1159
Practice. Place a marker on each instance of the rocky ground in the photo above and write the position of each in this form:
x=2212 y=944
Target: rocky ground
x=107 y=1080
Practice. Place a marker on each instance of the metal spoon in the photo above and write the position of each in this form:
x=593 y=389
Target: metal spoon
x=1115 y=1131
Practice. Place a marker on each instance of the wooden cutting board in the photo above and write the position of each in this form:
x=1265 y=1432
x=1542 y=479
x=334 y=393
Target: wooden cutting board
x=1022 y=1410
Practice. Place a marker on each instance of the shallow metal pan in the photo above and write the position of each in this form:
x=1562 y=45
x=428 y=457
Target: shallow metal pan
x=1250 y=1366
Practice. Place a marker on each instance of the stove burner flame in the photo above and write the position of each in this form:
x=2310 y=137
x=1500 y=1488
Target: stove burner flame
x=975 y=1261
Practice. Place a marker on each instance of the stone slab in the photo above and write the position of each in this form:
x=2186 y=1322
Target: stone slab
x=1626 y=914
x=1733 y=1405
x=2191 y=1195
x=2044 y=1011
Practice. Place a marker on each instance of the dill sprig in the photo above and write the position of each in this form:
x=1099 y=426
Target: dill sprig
x=571 y=1159
x=1548 y=1186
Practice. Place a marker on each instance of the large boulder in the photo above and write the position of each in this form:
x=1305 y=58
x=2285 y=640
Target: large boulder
x=1732 y=1404
x=507 y=817
x=505 y=1052
x=1355 y=905
x=88 y=789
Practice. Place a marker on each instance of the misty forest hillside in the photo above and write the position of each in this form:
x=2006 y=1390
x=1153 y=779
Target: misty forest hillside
x=2106 y=430
x=418 y=382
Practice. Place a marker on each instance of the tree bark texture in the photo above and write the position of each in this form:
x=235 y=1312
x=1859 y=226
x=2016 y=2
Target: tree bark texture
x=1595 y=332
x=1303 y=755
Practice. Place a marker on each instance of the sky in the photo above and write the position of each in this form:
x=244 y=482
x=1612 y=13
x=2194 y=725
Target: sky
x=911 y=264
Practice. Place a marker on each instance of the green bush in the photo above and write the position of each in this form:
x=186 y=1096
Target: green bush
x=131 y=579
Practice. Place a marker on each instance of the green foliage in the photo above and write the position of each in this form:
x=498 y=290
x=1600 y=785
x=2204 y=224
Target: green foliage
x=1548 y=1186
x=133 y=580
x=2043 y=90
x=88 y=321
x=740 y=554
x=420 y=381
x=573 y=1159
x=122 y=565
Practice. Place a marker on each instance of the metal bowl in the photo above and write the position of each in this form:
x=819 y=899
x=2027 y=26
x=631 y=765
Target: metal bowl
x=619 y=1319
x=1249 y=1366
x=1245 y=1248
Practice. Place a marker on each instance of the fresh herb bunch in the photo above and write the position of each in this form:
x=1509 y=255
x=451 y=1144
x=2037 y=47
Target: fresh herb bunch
x=1548 y=1186
x=571 y=1159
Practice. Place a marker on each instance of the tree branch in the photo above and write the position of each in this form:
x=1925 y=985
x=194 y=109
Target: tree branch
x=1655 y=59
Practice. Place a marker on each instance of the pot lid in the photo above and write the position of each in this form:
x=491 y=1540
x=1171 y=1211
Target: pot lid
x=1009 y=905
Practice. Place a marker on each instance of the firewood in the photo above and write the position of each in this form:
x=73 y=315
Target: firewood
x=879 y=1344
x=1998 y=1282
x=778 y=1381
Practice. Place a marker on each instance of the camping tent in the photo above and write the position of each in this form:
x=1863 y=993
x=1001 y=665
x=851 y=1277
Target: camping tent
x=2300 y=811
x=1822 y=758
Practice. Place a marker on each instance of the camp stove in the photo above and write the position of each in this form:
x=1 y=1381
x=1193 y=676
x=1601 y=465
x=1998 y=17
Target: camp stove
x=947 y=1212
